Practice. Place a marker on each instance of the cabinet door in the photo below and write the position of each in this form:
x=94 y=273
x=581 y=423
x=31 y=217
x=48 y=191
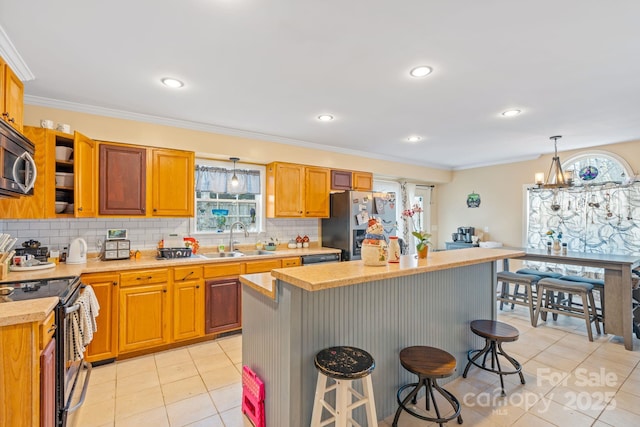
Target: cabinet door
x=85 y=177
x=223 y=305
x=362 y=181
x=105 y=340
x=289 y=190
x=122 y=178
x=317 y=189
x=48 y=385
x=172 y=183
x=144 y=317
x=340 y=180
x=188 y=309
x=13 y=108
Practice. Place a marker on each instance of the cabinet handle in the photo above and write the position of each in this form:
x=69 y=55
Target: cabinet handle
x=115 y=283
x=197 y=286
x=190 y=273
x=12 y=120
x=155 y=210
x=164 y=290
x=52 y=328
x=5 y=114
x=80 y=209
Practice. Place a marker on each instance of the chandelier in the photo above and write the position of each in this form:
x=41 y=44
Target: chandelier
x=556 y=178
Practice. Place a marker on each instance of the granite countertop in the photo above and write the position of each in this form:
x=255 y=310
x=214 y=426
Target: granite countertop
x=35 y=310
x=318 y=277
x=148 y=260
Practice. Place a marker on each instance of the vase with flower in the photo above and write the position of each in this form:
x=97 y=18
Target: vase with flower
x=422 y=247
x=556 y=239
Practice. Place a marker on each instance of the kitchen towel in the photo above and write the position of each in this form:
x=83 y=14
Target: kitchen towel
x=74 y=337
x=89 y=310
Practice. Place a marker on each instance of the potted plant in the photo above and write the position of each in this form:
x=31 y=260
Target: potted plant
x=422 y=247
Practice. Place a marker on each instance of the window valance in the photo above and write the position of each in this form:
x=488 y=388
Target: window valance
x=218 y=180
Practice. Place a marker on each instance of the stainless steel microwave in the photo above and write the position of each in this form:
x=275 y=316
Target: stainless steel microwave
x=17 y=167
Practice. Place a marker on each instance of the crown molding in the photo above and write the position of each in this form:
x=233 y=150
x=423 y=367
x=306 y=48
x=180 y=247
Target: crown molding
x=12 y=57
x=185 y=124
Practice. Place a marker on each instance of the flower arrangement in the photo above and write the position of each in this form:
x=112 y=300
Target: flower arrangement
x=418 y=233
x=553 y=235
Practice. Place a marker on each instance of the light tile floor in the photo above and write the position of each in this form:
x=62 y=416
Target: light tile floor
x=569 y=381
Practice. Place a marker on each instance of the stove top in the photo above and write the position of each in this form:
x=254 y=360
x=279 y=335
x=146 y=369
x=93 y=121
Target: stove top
x=61 y=287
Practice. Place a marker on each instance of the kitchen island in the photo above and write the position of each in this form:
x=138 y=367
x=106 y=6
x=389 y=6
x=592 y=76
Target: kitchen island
x=286 y=321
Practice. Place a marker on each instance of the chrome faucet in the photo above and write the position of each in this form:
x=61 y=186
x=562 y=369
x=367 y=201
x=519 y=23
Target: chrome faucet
x=231 y=242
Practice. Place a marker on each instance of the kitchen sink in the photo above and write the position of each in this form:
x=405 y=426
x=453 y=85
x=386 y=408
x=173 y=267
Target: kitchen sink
x=235 y=254
x=222 y=255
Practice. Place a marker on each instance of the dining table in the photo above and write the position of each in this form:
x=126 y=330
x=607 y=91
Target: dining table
x=618 y=284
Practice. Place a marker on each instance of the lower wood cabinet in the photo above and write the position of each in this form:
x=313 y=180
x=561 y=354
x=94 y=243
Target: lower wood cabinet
x=188 y=303
x=48 y=385
x=105 y=340
x=223 y=308
x=144 y=319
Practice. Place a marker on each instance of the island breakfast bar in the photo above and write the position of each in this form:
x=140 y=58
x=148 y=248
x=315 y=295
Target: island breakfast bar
x=299 y=311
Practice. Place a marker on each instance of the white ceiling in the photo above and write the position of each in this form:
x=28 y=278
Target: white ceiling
x=268 y=68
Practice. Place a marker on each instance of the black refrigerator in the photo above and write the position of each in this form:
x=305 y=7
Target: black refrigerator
x=346 y=227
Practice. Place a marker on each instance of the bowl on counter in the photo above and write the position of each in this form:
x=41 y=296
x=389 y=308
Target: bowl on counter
x=63 y=153
x=61 y=206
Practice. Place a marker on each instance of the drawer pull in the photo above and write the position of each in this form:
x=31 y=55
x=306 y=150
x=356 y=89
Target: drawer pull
x=189 y=274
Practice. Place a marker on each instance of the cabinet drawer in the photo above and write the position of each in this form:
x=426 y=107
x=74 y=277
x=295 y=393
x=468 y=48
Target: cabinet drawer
x=222 y=270
x=262 y=266
x=291 y=262
x=47 y=329
x=180 y=274
x=144 y=277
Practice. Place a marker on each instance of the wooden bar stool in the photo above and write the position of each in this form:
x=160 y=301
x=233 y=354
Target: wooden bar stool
x=344 y=365
x=557 y=304
x=598 y=285
x=527 y=299
x=494 y=333
x=429 y=364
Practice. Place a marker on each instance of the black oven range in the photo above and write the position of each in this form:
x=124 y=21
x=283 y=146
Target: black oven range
x=71 y=370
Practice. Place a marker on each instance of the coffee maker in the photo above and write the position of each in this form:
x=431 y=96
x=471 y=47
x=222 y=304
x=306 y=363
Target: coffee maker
x=463 y=234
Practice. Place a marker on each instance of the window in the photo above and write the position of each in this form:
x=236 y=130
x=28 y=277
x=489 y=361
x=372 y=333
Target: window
x=219 y=204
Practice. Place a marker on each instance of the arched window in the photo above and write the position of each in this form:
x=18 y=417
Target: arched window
x=598 y=167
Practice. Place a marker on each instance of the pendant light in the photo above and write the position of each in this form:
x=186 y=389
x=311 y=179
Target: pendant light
x=234 y=178
x=555 y=178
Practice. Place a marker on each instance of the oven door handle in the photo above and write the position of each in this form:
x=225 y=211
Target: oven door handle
x=83 y=394
x=29 y=164
x=71 y=309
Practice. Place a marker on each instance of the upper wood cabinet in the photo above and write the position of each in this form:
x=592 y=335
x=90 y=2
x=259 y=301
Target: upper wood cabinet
x=122 y=180
x=11 y=97
x=362 y=181
x=172 y=174
x=297 y=191
x=82 y=192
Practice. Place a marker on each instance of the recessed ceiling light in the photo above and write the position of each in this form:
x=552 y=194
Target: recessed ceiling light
x=511 y=113
x=171 y=82
x=421 y=71
x=325 y=117
x=414 y=138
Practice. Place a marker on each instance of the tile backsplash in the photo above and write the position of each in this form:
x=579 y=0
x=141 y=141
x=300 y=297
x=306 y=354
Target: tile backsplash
x=145 y=233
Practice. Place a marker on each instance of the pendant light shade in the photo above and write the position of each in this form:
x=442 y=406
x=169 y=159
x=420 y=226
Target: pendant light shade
x=234 y=178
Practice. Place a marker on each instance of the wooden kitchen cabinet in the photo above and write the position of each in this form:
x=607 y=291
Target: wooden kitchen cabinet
x=85 y=164
x=262 y=266
x=48 y=385
x=104 y=345
x=122 y=180
x=172 y=187
x=362 y=181
x=188 y=303
x=223 y=305
x=144 y=320
x=297 y=191
x=11 y=97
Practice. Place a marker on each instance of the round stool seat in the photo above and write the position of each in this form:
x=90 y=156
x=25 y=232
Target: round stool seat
x=494 y=330
x=428 y=361
x=344 y=363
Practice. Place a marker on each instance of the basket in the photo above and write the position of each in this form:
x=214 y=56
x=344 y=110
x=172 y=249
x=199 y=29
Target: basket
x=174 y=252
